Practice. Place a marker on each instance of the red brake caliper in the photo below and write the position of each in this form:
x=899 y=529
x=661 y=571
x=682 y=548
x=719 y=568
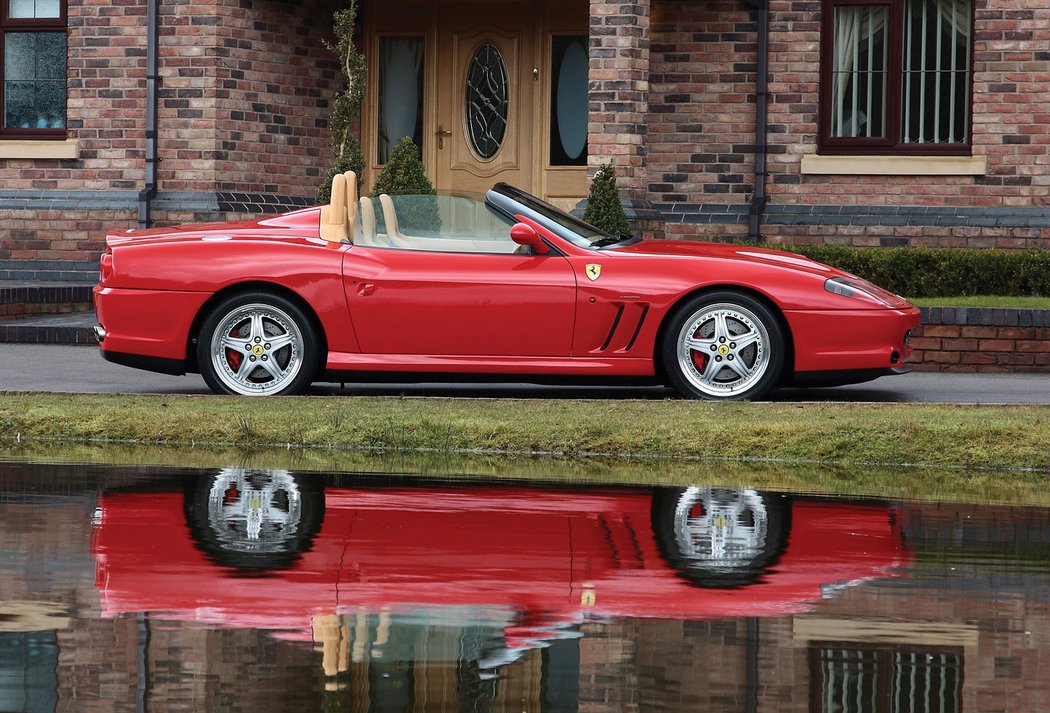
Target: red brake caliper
x=233 y=358
x=698 y=357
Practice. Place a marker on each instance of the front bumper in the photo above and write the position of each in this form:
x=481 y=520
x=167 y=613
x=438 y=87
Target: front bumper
x=851 y=340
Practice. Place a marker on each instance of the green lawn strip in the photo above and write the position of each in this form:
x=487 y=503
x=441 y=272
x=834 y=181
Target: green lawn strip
x=931 y=435
x=983 y=301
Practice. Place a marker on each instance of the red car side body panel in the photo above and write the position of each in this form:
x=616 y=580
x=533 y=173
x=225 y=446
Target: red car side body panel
x=558 y=555
x=420 y=303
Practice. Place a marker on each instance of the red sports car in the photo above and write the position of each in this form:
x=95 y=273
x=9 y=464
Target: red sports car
x=505 y=285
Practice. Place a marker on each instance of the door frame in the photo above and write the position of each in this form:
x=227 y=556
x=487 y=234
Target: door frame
x=562 y=185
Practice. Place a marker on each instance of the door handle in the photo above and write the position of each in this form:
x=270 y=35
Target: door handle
x=365 y=289
x=441 y=133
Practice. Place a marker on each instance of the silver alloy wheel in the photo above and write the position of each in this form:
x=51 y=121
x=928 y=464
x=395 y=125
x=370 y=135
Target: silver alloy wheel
x=254 y=511
x=723 y=350
x=721 y=529
x=257 y=349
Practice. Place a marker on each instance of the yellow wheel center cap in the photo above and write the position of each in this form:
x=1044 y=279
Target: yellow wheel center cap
x=257 y=350
x=723 y=350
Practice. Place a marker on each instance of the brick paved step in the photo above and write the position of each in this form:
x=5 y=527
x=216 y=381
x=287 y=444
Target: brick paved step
x=19 y=299
x=74 y=328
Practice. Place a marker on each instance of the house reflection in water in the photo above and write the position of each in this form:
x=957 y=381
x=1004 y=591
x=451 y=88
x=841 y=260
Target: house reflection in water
x=262 y=590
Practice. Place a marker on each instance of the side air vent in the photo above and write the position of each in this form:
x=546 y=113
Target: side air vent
x=612 y=330
x=638 y=328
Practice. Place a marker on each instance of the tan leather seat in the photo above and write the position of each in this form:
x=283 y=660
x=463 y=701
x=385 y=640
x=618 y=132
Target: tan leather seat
x=337 y=218
x=366 y=214
x=393 y=232
x=351 y=202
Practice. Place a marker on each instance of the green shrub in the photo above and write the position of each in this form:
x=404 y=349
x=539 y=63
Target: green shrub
x=940 y=272
x=404 y=175
x=347 y=104
x=352 y=160
x=604 y=210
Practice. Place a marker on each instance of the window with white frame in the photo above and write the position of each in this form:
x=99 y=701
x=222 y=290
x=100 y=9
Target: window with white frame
x=33 y=69
x=896 y=77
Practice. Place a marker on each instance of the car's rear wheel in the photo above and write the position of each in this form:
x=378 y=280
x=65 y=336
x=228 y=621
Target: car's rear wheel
x=723 y=346
x=257 y=344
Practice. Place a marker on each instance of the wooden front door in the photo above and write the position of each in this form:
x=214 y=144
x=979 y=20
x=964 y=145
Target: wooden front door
x=481 y=87
x=485 y=92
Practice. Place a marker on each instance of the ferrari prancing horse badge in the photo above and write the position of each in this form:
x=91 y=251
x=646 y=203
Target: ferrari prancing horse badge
x=593 y=271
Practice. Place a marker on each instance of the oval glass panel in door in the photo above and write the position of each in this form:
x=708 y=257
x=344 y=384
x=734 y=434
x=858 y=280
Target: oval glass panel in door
x=487 y=98
x=568 y=120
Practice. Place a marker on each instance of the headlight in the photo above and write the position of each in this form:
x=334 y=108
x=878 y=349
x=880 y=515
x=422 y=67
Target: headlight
x=862 y=289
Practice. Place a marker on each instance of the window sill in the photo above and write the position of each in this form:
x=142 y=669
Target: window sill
x=895 y=165
x=39 y=149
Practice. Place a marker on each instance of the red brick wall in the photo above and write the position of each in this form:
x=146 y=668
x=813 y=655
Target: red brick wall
x=244 y=96
x=702 y=123
x=619 y=89
x=961 y=348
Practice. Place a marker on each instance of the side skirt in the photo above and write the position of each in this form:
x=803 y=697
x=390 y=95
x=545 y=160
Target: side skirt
x=174 y=367
x=422 y=377
x=503 y=368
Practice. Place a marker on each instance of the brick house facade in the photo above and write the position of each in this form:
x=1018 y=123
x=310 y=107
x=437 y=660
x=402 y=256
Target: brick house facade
x=245 y=85
x=242 y=123
x=696 y=68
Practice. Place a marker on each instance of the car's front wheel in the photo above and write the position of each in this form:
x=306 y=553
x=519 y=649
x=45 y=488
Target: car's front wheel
x=723 y=346
x=257 y=344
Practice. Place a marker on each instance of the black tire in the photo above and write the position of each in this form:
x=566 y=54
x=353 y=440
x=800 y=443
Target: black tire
x=230 y=335
x=278 y=544
x=679 y=533
x=703 y=358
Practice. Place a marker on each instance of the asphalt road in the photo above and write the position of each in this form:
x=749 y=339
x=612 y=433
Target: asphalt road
x=80 y=369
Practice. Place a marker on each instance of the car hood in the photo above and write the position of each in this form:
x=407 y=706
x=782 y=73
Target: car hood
x=723 y=251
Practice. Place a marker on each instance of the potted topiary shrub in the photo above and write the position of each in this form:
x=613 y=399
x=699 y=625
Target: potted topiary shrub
x=404 y=175
x=604 y=209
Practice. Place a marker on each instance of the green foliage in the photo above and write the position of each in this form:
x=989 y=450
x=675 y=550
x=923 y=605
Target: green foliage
x=604 y=210
x=940 y=272
x=347 y=105
x=404 y=175
x=352 y=160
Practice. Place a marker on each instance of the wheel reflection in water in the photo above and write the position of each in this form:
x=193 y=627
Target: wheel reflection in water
x=717 y=537
x=254 y=511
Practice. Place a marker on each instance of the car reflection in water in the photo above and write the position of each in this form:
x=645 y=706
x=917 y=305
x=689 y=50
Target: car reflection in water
x=505 y=569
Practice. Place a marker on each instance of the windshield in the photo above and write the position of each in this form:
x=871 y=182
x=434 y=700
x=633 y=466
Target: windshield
x=563 y=224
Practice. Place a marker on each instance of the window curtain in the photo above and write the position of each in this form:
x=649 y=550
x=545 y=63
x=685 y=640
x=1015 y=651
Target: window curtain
x=400 y=90
x=856 y=29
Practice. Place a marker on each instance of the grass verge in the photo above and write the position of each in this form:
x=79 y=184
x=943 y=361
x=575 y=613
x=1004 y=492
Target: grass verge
x=984 y=301
x=984 y=437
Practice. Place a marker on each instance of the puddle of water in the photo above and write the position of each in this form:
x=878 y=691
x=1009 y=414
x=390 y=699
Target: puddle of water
x=246 y=589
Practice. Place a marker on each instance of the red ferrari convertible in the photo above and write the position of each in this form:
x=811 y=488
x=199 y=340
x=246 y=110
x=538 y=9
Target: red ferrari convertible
x=501 y=286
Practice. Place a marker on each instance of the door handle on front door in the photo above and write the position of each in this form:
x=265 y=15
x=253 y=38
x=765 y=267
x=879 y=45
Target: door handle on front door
x=366 y=288
x=441 y=133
